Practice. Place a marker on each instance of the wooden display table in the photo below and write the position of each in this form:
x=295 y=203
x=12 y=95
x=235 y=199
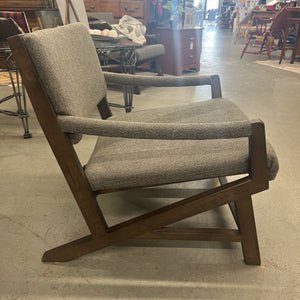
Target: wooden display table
x=183 y=49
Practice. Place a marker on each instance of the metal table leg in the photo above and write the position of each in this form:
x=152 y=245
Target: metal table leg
x=125 y=58
x=19 y=95
x=128 y=62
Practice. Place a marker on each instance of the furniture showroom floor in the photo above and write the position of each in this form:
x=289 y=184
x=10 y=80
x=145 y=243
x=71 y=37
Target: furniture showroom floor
x=37 y=210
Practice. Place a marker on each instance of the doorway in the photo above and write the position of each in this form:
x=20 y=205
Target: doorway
x=207 y=10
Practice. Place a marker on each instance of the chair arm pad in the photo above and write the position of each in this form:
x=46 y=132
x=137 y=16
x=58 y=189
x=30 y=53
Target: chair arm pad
x=166 y=81
x=164 y=131
x=162 y=81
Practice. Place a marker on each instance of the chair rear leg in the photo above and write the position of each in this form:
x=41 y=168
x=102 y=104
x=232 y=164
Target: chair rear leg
x=268 y=42
x=284 y=44
x=246 y=223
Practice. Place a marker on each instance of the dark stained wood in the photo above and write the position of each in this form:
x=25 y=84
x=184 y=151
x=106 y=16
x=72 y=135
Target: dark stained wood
x=247 y=228
x=183 y=49
x=185 y=208
x=194 y=234
x=233 y=211
x=104 y=109
x=258 y=157
x=87 y=244
x=150 y=225
x=156 y=219
x=59 y=143
x=294 y=19
x=111 y=6
x=22 y=5
x=132 y=8
x=223 y=181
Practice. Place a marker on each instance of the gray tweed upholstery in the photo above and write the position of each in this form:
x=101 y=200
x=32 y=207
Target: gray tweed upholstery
x=164 y=131
x=68 y=65
x=156 y=146
x=119 y=162
x=159 y=81
x=149 y=52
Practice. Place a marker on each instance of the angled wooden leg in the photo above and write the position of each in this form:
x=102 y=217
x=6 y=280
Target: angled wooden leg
x=284 y=44
x=69 y=251
x=246 y=223
x=269 y=45
x=77 y=248
x=238 y=37
x=148 y=222
x=246 y=46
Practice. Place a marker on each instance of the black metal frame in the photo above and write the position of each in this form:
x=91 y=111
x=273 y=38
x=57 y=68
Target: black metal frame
x=125 y=59
x=18 y=91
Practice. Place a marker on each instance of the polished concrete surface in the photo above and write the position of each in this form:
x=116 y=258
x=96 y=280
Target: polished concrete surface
x=37 y=211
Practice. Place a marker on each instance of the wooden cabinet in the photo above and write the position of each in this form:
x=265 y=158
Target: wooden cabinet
x=137 y=8
x=183 y=49
x=132 y=8
x=22 y=5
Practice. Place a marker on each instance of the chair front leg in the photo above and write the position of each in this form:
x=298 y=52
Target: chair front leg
x=246 y=224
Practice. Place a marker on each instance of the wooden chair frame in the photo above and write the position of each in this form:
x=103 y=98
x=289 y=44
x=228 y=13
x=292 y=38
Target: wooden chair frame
x=293 y=21
x=276 y=30
x=242 y=28
x=263 y=32
x=151 y=225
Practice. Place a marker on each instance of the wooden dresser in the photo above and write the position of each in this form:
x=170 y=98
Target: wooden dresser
x=21 y=5
x=183 y=49
x=136 y=8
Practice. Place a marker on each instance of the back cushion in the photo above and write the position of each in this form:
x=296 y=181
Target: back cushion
x=66 y=60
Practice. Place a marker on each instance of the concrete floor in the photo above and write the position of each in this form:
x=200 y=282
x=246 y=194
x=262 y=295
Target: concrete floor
x=37 y=211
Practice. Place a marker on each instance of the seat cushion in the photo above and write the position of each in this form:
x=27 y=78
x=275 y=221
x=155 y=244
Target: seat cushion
x=119 y=162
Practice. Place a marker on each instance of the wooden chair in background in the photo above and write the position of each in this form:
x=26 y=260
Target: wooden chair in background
x=269 y=36
x=242 y=28
x=293 y=26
